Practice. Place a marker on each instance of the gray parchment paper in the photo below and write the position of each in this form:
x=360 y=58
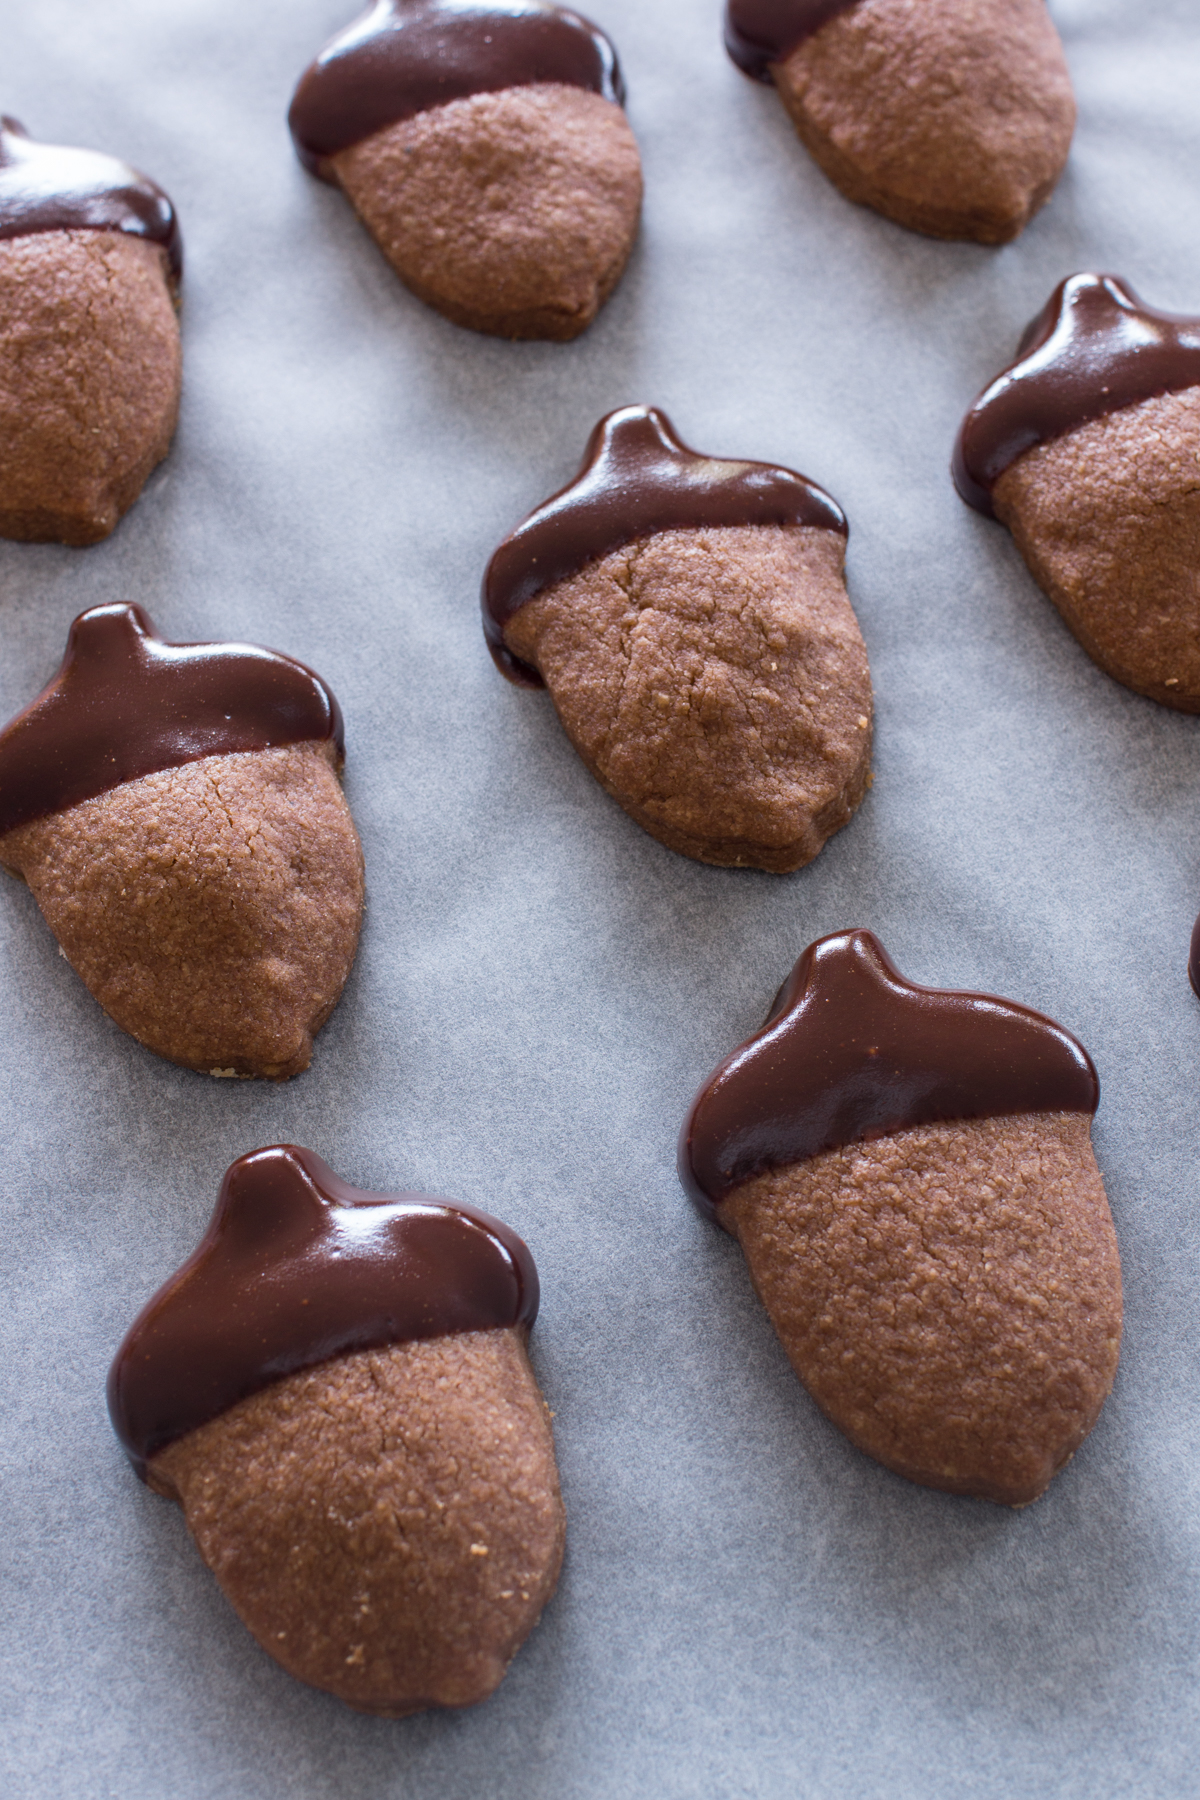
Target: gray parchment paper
x=749 y=1607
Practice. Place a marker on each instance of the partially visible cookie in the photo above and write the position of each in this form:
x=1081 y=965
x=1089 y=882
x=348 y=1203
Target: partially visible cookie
x=336 y=1390
x=690 y=619
x=486 y=150
x=176 y=811
x=909 y=1172
x=90 y=260
x=1088 y=448
x=951 y=117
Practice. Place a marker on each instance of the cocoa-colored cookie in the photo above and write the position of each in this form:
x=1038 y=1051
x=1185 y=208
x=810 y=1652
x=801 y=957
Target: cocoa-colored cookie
x=177 y=813
x=1088 y=448
x=336 y=1390
x=909 y=1172
x=690 y=619
x=90 y=258
x=953 y=117
x=486 y=150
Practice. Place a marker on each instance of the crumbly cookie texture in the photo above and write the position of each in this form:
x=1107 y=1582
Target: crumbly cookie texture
x=512 y=213
x=952 y=117
x=389 y=1525
x=1108 y=519
x=89 y=380
x=715 y=682
x=949 y=1295
x=212 y=909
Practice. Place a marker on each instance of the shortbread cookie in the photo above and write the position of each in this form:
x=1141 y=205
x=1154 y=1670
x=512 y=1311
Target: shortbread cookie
x=90 y=259
x=690 y=619
x=176 y=811
x=486 y=151
x=1088 y=449
x=335 y=1388
x=909 y=1172
x=949 y=116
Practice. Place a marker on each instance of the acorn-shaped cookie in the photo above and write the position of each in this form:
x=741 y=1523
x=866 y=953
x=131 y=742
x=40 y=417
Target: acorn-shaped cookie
x=909 y=1172
x=953 y=117
x=335 y=1388
x=176 y=811
x=484 y=146
x=90 y=259
x=1088 y=449
x=690 y=619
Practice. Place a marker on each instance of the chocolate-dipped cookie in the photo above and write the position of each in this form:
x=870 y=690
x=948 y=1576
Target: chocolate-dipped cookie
x=336 y=1390
x=1088 y=448
x=176 y=811
x=953 y=117
x=909 y=1172
x=484 y=146
x=90 y=259
x=690 y=619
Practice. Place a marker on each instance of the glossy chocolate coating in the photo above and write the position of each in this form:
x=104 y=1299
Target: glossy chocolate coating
x=851 y=1050
x=125 y=704
x=761 y=32
x=1194 y=960
x=296 y=1268
x=404 y=57
x=1094 y=348
x=51 y=187
x=637 y=478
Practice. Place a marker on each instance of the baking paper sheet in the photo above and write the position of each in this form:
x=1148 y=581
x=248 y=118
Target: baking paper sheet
x=749 y=1607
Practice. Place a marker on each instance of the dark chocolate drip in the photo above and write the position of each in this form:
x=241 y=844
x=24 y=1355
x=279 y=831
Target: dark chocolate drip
x=125 y=704
x=1194 y=960
x=1094 y=348
x=637 y=478
x=297 y=1268
x=761 y=32
x=851 y=1050
x=406 y=56
x=50 y=187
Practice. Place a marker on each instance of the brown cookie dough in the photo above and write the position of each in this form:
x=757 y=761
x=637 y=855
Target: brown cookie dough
x=949 y=1295
x=1108 y=520
x=389 y=1525
x=335 y=1388
x=89 y=380
x=511 y=213
x=909 y=1172
x=952 y=117
x=716 y=685
x=212 y=909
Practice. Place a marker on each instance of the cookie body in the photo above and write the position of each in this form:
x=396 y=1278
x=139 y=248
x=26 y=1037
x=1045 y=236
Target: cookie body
x=1088 y=449
x=952 y=117
x=708 y=667
x=177 y=814
x=89 y=342
x=909 y=1172
x=488 y=154
x=335 y=1388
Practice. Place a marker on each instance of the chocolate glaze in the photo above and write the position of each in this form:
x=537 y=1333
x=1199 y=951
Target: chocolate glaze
x=50 y=187
x=1194 y=960
x=851 y=1050
x=637 y=478
x=125 y=704
x=761 y=32
x=297 y=1268
x=1094 y=348
x=404 y=57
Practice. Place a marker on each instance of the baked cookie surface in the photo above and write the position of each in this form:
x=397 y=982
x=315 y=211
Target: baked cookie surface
x=358 y=1442
x=909 y=1173
x=1088 y=448
x=90 y=259
x=952 y=117
x=486 y=150
x=689 y=616
x=177 y=814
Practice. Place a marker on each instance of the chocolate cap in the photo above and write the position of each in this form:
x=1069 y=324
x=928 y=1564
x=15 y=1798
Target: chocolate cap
x=761 y=32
